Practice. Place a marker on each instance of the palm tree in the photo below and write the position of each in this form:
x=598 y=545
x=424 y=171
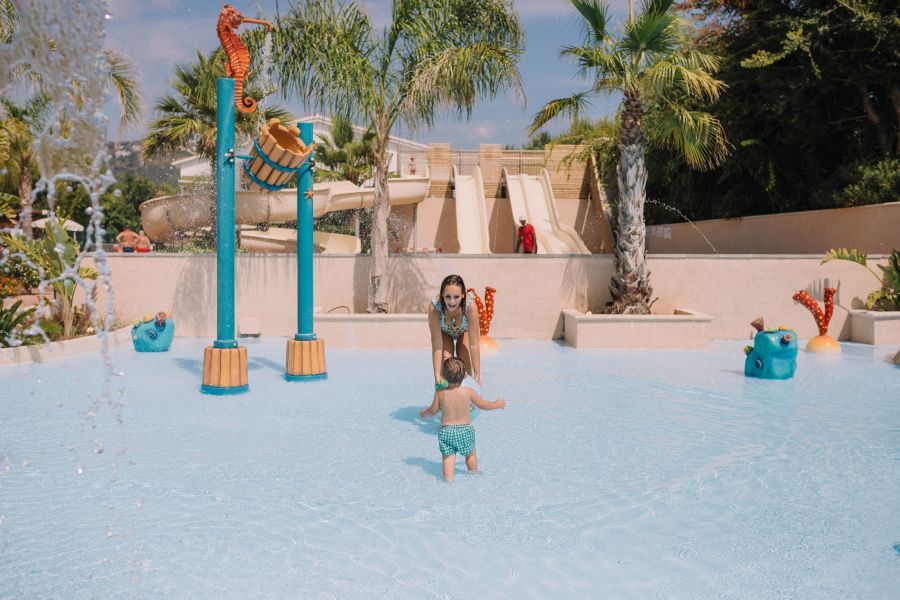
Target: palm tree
x=17 y=131
x=187 y=118
x=661 y=76
x=345 y=156
x=434 y=54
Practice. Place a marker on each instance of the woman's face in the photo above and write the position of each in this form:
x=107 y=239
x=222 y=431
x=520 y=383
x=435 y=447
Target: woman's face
x=452 y=296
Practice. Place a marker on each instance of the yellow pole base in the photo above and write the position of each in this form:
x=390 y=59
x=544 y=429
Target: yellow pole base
x=305 y=360
x=823 y=344
x=224 y=370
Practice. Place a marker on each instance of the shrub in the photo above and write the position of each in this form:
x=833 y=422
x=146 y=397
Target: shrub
x=11 y=320
x=876 y=184
x=887 y=296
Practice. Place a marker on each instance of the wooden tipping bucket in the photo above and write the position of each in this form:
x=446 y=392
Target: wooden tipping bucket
x=277 y=154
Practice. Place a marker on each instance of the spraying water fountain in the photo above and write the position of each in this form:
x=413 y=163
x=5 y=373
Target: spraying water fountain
x=277 y=155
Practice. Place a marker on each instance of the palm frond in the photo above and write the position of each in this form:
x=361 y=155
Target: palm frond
x=606 y=62
x=571 y=106
x=674 y=75
x=656 y=6
x=653 y=32
x=323 y=53
x=697 y=135
x=8 y=204
x=596 y=19
x=456 y=78
x=123 y=77
x=9 y=21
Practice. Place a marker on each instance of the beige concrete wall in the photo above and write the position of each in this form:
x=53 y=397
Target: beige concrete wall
x=531 y=290
x=874 y=229
x=684 y=329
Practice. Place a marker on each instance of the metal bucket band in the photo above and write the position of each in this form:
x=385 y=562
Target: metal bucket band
x=259 y=182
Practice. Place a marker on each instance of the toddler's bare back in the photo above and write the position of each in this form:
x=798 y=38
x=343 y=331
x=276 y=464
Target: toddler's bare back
x=455 y=405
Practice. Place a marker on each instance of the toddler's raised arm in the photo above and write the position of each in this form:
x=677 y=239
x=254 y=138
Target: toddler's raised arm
x=484 y=404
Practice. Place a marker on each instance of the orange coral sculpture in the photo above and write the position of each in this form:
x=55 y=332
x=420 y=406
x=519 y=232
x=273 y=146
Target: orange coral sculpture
x=485 y=309
x=823 y=343
x=485 y=314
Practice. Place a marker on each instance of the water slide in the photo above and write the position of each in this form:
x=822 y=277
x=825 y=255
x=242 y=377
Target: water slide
x=163 y=217
x=532 y=197
x=471 y=213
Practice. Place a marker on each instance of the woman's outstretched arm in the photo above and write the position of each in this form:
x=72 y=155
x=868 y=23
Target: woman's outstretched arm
x=474 y=340
x=437 y=342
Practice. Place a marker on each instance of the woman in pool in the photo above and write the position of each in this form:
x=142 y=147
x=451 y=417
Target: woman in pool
x=453 y=321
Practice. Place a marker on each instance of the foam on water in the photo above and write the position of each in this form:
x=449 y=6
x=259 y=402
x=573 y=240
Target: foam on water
x=610 y=474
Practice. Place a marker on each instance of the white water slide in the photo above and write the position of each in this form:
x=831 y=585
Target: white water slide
x=471 y=213
x=163 y=217
x=532 y=197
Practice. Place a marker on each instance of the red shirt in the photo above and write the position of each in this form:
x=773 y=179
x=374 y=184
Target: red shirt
x=526 y=234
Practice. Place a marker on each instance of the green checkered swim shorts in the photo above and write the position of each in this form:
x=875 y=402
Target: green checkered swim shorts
x=456 y=439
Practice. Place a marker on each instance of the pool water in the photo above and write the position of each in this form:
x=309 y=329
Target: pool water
x=641 y=474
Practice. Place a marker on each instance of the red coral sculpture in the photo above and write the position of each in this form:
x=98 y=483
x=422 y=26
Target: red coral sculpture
x=822 y=343
x=823 y=318
x=485 y=309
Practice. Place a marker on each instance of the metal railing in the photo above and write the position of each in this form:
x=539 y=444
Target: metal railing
x=465 y=161
x=523 y=162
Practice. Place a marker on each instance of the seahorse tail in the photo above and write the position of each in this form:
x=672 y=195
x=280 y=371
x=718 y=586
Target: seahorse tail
x=245 y=105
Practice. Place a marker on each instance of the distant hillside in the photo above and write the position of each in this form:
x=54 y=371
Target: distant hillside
x=127 y=159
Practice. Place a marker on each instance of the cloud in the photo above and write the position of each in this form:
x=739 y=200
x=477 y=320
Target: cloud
x=483 y=131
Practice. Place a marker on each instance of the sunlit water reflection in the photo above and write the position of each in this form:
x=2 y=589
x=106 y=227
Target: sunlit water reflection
x=611 y=474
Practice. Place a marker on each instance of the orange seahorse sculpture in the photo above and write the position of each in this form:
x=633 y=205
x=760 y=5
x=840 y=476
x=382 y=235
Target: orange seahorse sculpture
x=237 y=62
x=485 y=315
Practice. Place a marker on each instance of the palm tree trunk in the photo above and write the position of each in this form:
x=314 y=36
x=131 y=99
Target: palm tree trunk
x=26 y=185
x=380 y=210
x=68 y=315
x=630 y=286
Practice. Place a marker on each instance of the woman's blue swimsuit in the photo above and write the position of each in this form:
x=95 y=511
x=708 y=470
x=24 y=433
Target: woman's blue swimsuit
x=452 y=329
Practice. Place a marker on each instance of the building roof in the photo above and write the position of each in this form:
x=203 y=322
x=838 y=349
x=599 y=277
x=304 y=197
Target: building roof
x=323 y=122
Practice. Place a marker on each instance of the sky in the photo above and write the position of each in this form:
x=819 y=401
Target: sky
x=157 y=34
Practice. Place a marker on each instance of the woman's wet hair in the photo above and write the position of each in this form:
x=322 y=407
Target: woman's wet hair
x=453 y=370
x=453 y=280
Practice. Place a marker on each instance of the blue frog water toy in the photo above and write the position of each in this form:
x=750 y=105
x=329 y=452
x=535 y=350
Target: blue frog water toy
x=773 y=354
x=153 y=334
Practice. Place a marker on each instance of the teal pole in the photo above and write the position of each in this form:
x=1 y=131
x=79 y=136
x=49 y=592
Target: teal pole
x=225 y=213
x=305 y=330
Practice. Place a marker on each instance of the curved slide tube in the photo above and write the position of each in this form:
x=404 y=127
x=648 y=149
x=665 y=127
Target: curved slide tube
x=471 y=213
x=533 y=197
x=163 y=217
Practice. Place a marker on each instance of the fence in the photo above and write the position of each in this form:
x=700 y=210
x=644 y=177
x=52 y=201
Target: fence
x=523 y=162
x=465 y=161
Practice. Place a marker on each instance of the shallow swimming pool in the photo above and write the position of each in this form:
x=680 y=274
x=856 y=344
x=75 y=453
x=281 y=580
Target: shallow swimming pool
x=611 y=474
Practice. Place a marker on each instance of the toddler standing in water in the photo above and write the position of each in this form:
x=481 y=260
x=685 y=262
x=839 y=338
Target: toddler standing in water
x=457 y=434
